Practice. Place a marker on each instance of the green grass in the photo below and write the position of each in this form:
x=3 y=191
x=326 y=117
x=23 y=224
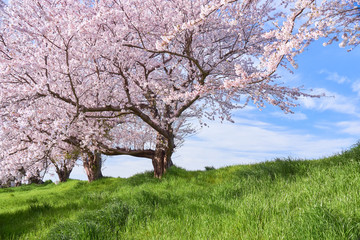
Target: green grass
x=283 y=199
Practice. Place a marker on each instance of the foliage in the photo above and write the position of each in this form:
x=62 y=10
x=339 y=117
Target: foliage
x=209 y=168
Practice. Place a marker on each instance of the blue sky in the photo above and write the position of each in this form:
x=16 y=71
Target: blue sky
x=319 y=127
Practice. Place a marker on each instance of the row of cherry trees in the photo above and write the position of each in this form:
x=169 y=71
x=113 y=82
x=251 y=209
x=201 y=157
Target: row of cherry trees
x=82 y=79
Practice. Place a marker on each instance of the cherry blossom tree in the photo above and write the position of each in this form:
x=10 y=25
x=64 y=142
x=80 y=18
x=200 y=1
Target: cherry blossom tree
x=301 y=23
x=205 y=69
x=36 y=115
x=339 y=21
x=63 y=160
x=100 y=60
x=123 y=77
x=26 y=168
x=64 y=119
x=28 y=135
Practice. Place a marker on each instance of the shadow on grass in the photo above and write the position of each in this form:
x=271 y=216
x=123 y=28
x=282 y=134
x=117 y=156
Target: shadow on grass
x=26 y=187
x=174 y=172
x=322 y=221
x=176 y=206
x=24 y=221
x=280 y=168
x=141 y=178
x=105 y=223
x=154 y=199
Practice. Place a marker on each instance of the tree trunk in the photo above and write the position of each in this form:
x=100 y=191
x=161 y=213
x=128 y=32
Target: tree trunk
x=92 y=164
x=36 y=180
x=162 y=157
x=63 y=174
x=63 y=168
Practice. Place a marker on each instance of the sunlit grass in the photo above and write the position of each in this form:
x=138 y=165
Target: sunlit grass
x=283 y=199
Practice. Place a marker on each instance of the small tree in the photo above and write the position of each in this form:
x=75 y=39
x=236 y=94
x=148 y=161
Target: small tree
x=63 y=160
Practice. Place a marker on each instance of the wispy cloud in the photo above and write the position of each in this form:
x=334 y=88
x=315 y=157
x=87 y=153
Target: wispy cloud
x=349 y=127
x=335 y=77
x=331 y=101
x=297 y=116
x=227 y=144
x=356 y=87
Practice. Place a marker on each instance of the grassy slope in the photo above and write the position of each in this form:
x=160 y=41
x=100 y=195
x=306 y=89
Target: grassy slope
x=274 y=200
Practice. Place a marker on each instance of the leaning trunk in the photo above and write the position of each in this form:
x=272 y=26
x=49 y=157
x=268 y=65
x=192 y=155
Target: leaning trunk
x=92 y=164
x=162 y=157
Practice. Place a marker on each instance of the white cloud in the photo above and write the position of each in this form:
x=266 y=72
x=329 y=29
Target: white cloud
x=331 y=101
x=335 y=77
x=289 y=78
x=292 y=116
x=350 y=127
x=356 y=87
x=227 y=144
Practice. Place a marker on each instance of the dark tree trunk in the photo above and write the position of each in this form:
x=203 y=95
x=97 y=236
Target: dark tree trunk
x=162 y=157
x=36 y=180
x=62 y=170
x=63 y=174
x=92 y=164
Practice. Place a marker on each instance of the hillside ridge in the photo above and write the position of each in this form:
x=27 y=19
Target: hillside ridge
x=284 y=198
